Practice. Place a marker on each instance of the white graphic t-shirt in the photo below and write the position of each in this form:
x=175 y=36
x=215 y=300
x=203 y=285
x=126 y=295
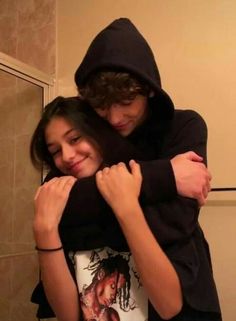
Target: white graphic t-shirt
x=109 y=286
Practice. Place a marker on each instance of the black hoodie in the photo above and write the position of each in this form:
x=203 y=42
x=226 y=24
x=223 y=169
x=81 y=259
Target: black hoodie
x=120 y=46
x=166 y=133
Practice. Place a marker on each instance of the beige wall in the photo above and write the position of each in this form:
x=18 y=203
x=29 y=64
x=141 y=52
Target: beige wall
x=194 y=43
x=218 y=220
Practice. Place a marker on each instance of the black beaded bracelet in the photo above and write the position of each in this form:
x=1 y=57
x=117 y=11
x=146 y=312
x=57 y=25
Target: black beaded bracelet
x=48 y=250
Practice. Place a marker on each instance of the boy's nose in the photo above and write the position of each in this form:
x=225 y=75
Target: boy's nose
x=114 y=115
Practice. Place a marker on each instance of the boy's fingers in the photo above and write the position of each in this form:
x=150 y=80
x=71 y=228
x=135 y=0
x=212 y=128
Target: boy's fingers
x=135 y=169
x=193 y=156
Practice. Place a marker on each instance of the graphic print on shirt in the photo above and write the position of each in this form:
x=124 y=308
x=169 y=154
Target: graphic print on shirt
x=109 y=286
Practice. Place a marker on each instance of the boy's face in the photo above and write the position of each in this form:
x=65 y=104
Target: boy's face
x=126 y=116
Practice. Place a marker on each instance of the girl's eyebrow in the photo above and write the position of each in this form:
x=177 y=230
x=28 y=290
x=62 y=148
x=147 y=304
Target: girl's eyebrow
x=64 y=135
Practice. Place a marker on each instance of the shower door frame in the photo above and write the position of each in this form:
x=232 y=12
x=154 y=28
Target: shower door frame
x=30 y=74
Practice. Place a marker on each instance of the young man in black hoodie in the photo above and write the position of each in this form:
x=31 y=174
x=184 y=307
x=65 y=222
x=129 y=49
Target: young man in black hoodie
x=119 y=78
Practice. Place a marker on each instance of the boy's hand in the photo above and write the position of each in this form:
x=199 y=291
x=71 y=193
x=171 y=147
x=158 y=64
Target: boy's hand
x=191 y=176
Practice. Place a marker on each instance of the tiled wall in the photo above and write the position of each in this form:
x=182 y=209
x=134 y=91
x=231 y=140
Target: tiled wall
x=27 y=33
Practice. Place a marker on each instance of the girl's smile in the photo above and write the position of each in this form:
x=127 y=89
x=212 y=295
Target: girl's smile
x=72 y=153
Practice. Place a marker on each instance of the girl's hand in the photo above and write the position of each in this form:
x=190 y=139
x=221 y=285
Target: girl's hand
x=49 y=201
x=118 y=186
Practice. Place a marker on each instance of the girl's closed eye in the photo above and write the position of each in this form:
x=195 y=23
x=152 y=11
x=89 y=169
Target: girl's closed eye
x=55 y=152
x=75 y=139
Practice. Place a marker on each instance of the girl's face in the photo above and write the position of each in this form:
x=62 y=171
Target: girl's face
x=72 y=154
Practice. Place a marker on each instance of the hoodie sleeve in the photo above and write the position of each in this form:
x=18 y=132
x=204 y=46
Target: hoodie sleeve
x=85 y=195
x=188 y=133
x=174 y=218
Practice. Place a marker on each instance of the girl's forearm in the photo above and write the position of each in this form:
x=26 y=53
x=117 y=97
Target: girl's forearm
x=59 y=286
x=158 y=275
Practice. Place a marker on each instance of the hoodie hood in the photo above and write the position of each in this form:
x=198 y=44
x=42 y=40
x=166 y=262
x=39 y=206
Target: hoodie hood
x=120 y=46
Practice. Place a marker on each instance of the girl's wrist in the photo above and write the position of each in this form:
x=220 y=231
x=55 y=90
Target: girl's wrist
x=41 y=226
x=47 y=239
x=127 y=210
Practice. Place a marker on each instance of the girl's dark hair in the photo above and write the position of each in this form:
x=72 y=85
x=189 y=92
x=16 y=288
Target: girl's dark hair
x=106 y=87
x=77 y=112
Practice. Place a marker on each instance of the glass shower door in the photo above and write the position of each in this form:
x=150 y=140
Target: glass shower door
x=21 y=102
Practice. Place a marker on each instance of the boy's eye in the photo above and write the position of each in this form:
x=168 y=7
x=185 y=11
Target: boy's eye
x=102 y=108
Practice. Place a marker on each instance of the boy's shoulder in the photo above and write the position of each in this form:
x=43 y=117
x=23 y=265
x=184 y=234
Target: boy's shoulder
x=186 y=114
x=183 y=117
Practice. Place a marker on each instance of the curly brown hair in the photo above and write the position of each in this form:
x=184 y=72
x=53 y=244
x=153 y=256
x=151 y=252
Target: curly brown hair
x=105 y=88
